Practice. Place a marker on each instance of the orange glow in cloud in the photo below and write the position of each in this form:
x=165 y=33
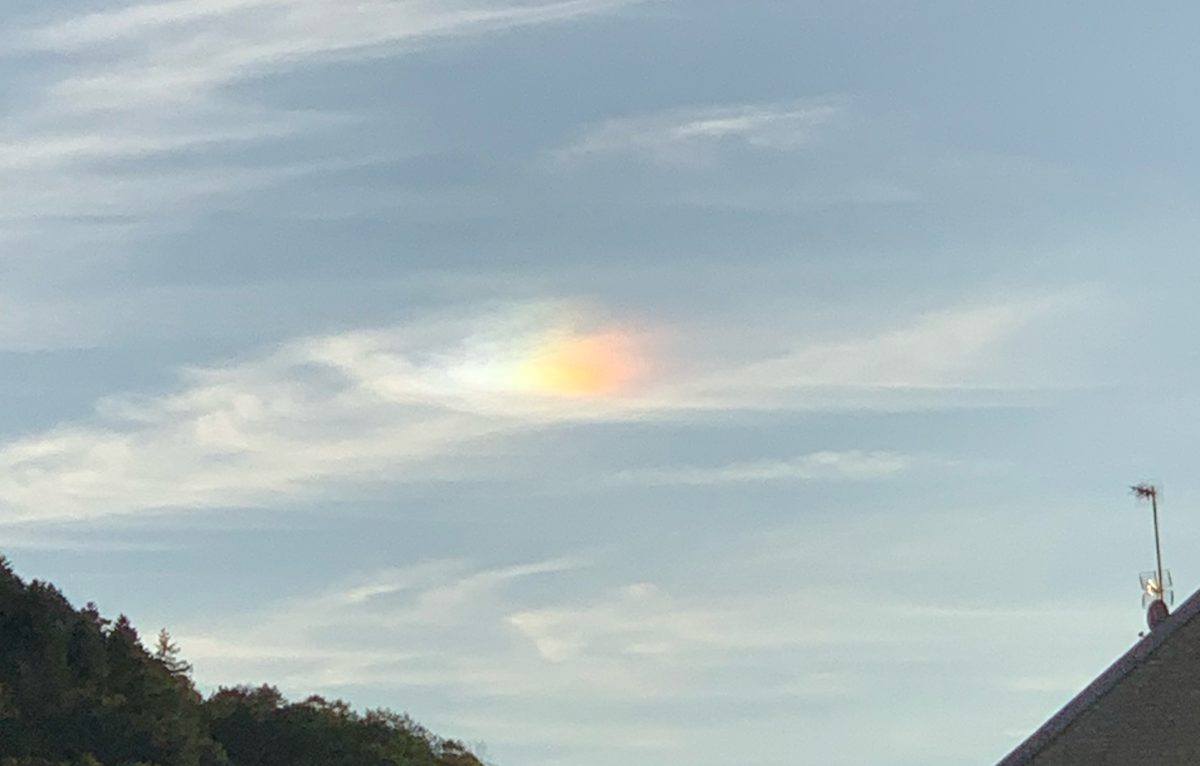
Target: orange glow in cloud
x=582 y=365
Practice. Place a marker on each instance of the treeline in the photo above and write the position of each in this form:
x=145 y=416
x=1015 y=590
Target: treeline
x=79 y=690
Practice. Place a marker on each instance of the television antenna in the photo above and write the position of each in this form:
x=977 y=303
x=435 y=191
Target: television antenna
x=1157 y=591
x=1153 y=589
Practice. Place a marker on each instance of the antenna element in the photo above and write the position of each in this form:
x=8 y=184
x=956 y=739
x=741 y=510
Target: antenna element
x=1156 y=589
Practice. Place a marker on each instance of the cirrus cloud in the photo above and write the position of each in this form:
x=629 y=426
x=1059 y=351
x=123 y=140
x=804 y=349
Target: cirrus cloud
x=690 y=135
x=400 y=403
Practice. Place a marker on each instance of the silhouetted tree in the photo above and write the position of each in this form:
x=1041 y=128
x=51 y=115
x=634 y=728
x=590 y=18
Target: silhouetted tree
x=167 y=652
x=79 y=690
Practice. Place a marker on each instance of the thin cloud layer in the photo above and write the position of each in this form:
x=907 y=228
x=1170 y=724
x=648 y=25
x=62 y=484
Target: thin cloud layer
x=692 y=135
x=551 y=653
x=394 y=404
x=853 y=465
x=154 y=80
x=475 y=634
x=833 y=420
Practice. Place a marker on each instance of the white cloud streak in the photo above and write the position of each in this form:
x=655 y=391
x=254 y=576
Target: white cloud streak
x=693 y=135
x=154 y=80
x=964 y=349
x=852 y=465
x=396 y=404
x=556 y=651
x=627 y=642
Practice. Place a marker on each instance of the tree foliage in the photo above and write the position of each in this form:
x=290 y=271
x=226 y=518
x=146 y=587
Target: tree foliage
x=79 y=690
x=166 y=652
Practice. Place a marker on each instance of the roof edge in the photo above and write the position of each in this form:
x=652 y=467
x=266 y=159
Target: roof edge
x=1103 y=684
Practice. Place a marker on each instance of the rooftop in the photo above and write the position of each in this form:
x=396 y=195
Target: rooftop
x=1144 y=709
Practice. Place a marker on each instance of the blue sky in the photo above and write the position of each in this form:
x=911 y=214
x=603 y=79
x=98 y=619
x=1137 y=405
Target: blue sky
x=892 y=301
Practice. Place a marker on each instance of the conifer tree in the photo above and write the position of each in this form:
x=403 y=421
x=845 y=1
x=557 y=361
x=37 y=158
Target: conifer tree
x=167 y=652
x=79 y=690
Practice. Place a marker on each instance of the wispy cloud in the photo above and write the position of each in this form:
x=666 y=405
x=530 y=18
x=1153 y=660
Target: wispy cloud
x=623 y=642
x=476 y=635
x=193 y=49
x=303 y=26
x=42 y=537
x=643 y=620
x=574 y=644
x=960 y=349
x=392 y=403
x=153 y=80
x=435 y=599
x=853 y=465
x=692 y=135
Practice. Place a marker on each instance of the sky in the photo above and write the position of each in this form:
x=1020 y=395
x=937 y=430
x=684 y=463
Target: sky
x=609 y=381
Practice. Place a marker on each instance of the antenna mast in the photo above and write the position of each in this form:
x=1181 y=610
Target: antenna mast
x=1156 y=588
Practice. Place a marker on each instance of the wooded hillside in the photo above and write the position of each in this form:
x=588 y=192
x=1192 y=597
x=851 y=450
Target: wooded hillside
x=79 y=690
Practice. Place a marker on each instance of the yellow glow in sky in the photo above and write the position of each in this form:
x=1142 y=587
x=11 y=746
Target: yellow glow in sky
x=581 y=365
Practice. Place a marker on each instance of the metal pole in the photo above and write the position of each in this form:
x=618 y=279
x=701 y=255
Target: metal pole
x=1162 y=588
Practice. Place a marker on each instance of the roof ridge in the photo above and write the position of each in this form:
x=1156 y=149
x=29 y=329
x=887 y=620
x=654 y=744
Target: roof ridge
x=1104 y=683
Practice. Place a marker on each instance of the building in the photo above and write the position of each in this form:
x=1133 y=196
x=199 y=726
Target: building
x=1145 y=709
